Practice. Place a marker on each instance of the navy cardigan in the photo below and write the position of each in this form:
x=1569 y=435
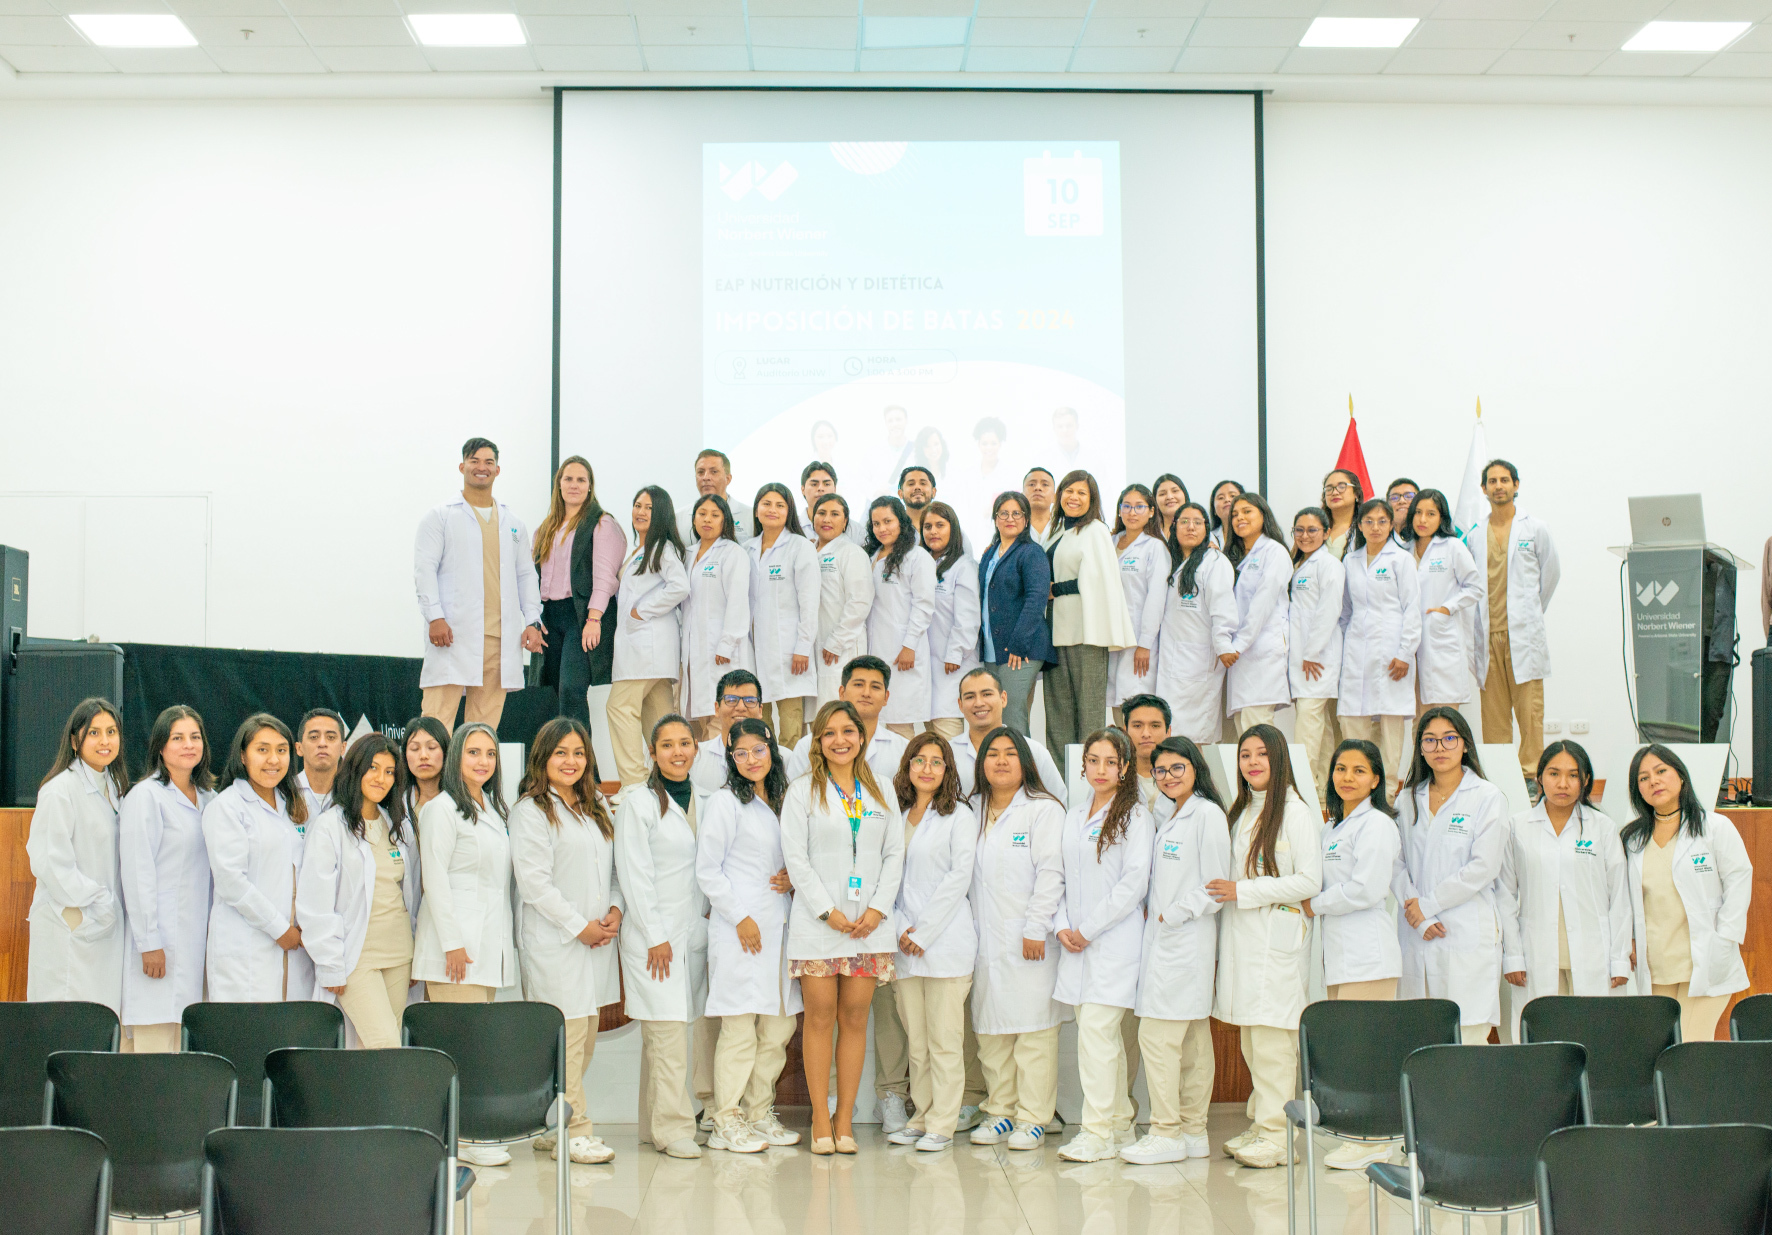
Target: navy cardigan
x=1016 y=601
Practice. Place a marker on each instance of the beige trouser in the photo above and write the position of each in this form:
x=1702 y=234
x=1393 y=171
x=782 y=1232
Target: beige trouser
x=892 y=1050
x=1101 y=1067
x=459 y=992
x=665 y=1113
x=788 y=718
x=633 y=708
x=1385 y=732
x=152 y=1039
x=1021 y=1075
x=1178 y=1066
x=1474 y=1035
x=1504 y=699
x=949 y=727
x=707 y=1043
x=1247 y=718
x=753 y=1048
x=374 y=1000
x=933 y=1013
x=1129 y=1044
x=907 y=732
x=1313 y=727
x=581 y=1042
x=486 y=702
x=975 y=1087
x=1272 y=1056
x=1378 y=988
x=1699 y=1014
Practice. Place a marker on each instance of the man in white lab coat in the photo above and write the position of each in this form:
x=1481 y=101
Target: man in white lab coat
x=320 y=741
x=1514 y=660
x=479 y=592
x=713 y=474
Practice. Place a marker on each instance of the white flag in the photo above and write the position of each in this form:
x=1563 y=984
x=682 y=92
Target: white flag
x=1471 y=502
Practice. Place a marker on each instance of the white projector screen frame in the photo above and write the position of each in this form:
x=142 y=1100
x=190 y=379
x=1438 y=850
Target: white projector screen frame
x=640 y=424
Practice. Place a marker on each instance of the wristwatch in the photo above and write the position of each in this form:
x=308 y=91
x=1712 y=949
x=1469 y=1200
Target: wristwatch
x=825 y=916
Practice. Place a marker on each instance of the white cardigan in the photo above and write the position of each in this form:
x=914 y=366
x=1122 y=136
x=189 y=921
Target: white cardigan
x=1096 y=615
x=820 y=856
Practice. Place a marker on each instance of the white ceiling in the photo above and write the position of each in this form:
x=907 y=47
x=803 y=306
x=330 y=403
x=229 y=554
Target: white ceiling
x=1175 y=41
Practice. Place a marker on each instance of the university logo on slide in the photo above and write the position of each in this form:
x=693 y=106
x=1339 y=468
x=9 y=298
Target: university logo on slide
x=735 y=182
x=1656 y=593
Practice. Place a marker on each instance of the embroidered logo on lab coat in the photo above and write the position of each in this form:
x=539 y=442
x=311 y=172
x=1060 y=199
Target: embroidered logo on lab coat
x=394 y=853
x=1701 y=864
x=1172 y=850
x=1129 y=565
x=1383 y=572
x=1458 y=825
x=774 y=573
x=709 y=570
x=1437 y=566
x=1018 y=840
x=1584 y=848
x=513 y=534
x=1524 y=544
x=1094 y=833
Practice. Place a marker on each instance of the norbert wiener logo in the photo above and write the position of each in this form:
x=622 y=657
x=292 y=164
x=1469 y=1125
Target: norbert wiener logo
x=735 y=182
x=1657 y=593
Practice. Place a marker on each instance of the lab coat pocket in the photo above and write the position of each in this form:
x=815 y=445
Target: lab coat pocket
x=1285 y=930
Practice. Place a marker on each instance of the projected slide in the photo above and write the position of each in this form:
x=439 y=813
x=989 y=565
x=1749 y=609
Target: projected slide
x=954 y=304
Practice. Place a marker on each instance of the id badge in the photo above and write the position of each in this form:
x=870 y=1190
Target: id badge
x=855 y=888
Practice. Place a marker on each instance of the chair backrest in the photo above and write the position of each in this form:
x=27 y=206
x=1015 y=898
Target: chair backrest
x=1646 y=1181
x=510 y=1061
x=244 y=1033
x=61 y=1182
x=153 y=1112
x=1751 y=1019
x=347 y=1181
x=32 y=1032
x=1623 y=1034
x=1351 y=1054
x=1475 y=1116
x=407 y=1087
x=1714 y=1083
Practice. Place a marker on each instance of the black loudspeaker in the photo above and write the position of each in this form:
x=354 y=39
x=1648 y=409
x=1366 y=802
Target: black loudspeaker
x=15 y=591
x=1762 y=741
x=49 y=679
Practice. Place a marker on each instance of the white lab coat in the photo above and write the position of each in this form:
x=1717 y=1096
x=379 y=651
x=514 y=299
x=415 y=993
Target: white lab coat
x=335 y=893
x=652 y=646
x=903 y=607
x=1103 y=901
x=449 y=574
x=953 y=637
x=1017 y=884
x=934 y=897
x=822 y=854
x=737 y=853
x=784 y=614
x=1452 y=862
x=254 y=854
x=72 y=847
x=1144 y=565
x=1583 y=872
x=1448 y=578
x=716 y=619
x=743 y=520
x=1360 y=856
x=1532 y=573
x=1715 y=879
x=845 y=598
x=1380 y=622
x=1258 y=679
x=966 y=761
x=885 y=750
x=465 y=862
x=565 y=881
x=1314 y=625
x=708 y=772
x=655 y=861
x=1197 y=630
x=1192 y=847
x=1263 y=936
x=166 y=889
x=318 y=803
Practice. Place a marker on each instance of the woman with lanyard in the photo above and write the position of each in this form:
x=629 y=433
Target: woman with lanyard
x=1106 y=845
x=1313 y=641
x=1089 y=618
x=664 y=948
x=1380 y=634
x=1565 y=898
x=1454 y=832
x=843 y=844
x=1263 y=937
x=937 y=940
x=1017 y=884
x=1452 y=589
x=1144 y=571
x=845 y=595
x=1690 y=883
x=1343 y=496
x=716 y=614
x=78 y=934
x=1192 y=848
x=953 y=627
x=739 y=865
x=1255 y=683
x=571 y=905
x=165 y=882
x=1199 y=621
x=648 y=636
x=785 y=594
x=1171 y=495
x=904 y=602
x=1223 y=494
x=1014 y=582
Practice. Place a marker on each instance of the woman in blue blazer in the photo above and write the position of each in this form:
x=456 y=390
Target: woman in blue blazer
x=1014 y=577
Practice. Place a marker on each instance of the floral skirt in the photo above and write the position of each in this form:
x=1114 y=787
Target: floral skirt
x=876 y=965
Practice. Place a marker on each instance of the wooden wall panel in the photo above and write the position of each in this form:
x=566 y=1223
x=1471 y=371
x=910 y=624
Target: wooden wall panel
x=1755 y=827
x=16 y=888
x=1231 y=1081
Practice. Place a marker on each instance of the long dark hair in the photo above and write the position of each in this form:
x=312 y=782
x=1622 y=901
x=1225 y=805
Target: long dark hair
x=1419 y=771
x=452 y=785
x=347 y=787
x=536 y=786
x=1151 y=498
x=1204 y=785
x=793 y=523
x=1093 y=513
x=408 y=783
x=294 y=804
x=1125 y=799
x=1357 y=538
x=1637 y=832
x=588 y=514
x=728 y=529
x=840 y=500
x=1369 y=752
x=202 y=776
x=947 y=794
x=1444 y=532
x=1031 y=783
x=1265 y=840
x=907 y=535
x=775 y=784
x=1184 y=566
x=74 y=733
x=1270 y=527
x=655 y=779
x=956 y=546
x=661 y=531
x=1321 y=516
x=1213 y=522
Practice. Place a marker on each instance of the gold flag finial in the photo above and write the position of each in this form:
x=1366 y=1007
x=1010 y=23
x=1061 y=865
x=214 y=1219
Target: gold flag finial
x=1479 y=407
x=1350 y=405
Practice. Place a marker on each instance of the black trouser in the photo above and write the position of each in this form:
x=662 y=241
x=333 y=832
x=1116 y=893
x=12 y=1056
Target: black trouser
x=565 y=665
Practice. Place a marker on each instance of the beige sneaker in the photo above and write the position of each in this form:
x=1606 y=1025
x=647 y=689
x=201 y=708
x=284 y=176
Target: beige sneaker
x=587 y=1151
x=1357 y=1155
x=1262 y=1153
x=1237 y=1142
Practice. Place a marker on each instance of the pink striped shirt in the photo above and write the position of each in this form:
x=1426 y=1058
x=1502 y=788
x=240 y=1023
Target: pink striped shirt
x=607 y=552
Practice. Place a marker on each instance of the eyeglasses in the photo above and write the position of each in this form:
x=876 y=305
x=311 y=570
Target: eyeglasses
x=750 y=754
x=1336 y=489
x=1173 y=771
x=1129 y=508
x=742 y=701
x=929 y=763
x=1304 y=529
x=1010 y=514
x=1197 y=523
x=1450 y=742
x=1403 y=495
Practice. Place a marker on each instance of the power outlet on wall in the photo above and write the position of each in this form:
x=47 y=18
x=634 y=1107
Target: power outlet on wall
x=1553 y=726
x=1578 y=726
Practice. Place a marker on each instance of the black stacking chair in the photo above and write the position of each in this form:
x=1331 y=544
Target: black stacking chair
x=1646 y=1181
x=59 y=1182
x=1751 y=1020
x=1624 y=1036
x=1714 y=1083
x=31 y=1033
x=244 y=1033
x=343 y=1181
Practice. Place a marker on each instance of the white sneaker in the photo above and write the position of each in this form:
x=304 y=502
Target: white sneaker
x=772 y=1130
x=1086 y=1147
x=1128 y=1136
x=1357 y=1156
x=1239 y=1141
x=483 y=1155
x=1026 y=1136
x=1262 y=1153
x=992 y=1133
x=969 y=1117
x=705 y=1121
x=930 y=1142
x=685 y=1148
x=893 y=1116
x=1154 y=1150
x=735 y=1136
x=587 y=1150
x=905 y=1136
x=1196 y=1146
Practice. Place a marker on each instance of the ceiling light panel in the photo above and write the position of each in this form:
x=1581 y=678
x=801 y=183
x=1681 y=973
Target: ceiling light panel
x=467 y=29
x=1702 y=36
x=134 y=29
